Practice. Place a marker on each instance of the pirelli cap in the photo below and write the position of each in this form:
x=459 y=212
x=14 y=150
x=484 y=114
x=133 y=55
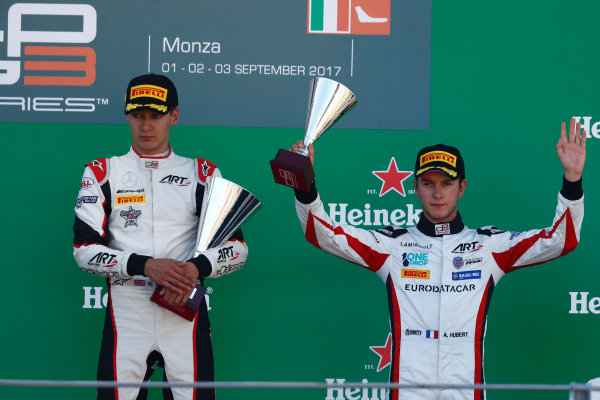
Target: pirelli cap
x=151 y=92
x=440 y=157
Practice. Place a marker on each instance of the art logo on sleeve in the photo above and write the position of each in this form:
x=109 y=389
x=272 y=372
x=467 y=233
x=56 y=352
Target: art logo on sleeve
x=350 y=17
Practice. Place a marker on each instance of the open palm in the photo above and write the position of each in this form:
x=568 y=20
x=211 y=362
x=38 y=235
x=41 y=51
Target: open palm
x=571 y=150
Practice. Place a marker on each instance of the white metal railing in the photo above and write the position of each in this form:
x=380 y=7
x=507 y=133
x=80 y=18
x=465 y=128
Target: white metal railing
x=577 y=391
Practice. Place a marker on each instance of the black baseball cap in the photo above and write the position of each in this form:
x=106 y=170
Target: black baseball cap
x=440 y=157
x=151 y=92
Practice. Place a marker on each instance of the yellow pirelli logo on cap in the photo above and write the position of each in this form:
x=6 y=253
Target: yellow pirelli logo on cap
x=438 y=156
x=415 y=273
x=131 y=199
x=148 y=91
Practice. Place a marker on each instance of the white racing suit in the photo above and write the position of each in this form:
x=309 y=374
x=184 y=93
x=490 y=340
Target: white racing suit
x=439 y=280
x=131 y=208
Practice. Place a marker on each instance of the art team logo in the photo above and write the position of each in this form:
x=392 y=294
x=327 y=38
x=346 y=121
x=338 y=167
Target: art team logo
x=57 y=65
x=350 y=17
x=392 y=179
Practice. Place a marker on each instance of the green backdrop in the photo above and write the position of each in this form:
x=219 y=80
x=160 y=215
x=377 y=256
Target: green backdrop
x=504 y=75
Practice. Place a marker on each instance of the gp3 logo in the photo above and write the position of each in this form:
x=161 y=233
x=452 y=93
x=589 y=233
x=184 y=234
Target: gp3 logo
x=22 y=17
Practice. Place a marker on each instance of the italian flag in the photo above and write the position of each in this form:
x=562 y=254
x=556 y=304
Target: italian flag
x=329 y=16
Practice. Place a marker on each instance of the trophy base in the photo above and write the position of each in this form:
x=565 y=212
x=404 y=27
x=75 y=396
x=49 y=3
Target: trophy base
x=293 y=170
x=190 y=309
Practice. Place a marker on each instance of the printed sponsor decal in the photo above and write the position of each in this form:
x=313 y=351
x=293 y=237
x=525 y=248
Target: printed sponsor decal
x=442 y=229
x=85 y=199
x=130 y=179
x=426 y=246
x=176 y=180
x=227 y=253
x=392 y=179
x=98 y=164
x=458 y=262
x=469 y=247
x=514 y=235
x=412 y=332
x=86 y=183
x=414 y=259
x=151 y=164
x=415 y=287
x=473 y=260
x=227 y=269
x=437 y=156
x=462 y=275
x=415 y=273
x=102 y=259
x=205 y=168
x=130 y=199
x=148 y=91
x=130 y=191
x=356 y=17
x=130 y=216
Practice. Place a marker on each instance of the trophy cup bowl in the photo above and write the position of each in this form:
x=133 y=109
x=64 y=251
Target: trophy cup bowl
x=226 y=206
x=328 y=101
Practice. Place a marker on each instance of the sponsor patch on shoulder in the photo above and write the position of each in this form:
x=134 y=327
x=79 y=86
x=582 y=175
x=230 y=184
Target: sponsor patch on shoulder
x=392 y=232
x=489 y=230
x=85 y=199
x=514 y=235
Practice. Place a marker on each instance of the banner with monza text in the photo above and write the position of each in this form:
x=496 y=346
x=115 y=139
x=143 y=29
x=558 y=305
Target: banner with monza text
x=242 y=63
x=504 y=75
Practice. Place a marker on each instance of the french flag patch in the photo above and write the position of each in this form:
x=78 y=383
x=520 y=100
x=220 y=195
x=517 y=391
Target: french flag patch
x=432 y=335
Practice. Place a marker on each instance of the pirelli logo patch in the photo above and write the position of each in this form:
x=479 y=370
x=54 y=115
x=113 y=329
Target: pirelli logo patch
x=130 y=199
x=438 y=156
x=415 y=273
x=148 y=91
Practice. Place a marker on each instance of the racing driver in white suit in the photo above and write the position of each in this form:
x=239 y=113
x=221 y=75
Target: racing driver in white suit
x=136 y=222
x=438 y=306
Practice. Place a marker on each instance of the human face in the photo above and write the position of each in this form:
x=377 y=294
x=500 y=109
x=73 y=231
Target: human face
x=150 y=130
x=439 y=195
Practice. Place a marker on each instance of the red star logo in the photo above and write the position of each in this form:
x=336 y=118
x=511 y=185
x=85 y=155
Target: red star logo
x=384 y=353
x=392 y=179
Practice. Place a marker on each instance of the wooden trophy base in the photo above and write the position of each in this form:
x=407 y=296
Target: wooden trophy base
x=293 y=170
x=191 y=307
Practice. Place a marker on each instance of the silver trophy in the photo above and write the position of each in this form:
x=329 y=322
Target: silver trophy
x=328 y=101
x=225 y=207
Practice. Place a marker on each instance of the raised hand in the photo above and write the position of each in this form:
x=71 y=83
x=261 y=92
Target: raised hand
x=571 y=150
x=300 y=145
